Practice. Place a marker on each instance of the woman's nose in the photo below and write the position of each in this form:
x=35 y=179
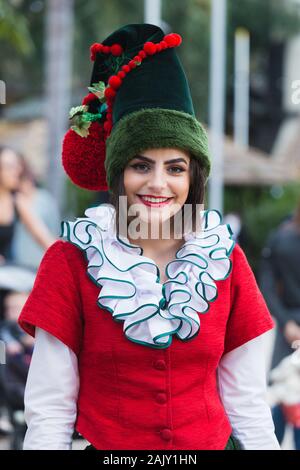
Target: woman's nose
x=157 y=179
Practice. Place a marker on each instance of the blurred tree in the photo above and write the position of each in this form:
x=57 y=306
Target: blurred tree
x=14 y=28
x=21 y=37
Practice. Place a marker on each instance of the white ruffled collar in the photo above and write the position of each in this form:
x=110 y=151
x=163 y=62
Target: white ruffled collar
x=153 y=312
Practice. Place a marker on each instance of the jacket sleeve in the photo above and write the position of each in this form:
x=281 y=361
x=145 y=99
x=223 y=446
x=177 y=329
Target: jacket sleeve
x=249 y=316
x=54 y=303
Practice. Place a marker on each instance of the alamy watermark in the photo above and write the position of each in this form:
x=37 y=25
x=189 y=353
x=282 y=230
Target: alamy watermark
x=2 y=352
x=173 y=220
x=2 y=92
x=296 y=94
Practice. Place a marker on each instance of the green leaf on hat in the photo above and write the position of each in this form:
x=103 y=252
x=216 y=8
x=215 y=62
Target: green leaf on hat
x=98 y=89
x=81 y=128
x=77 y=110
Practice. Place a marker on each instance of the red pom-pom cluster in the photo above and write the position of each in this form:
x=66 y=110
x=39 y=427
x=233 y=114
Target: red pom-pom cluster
x=115 y=50
x=115 y=81
x=169 y=41
x=88 y=98
x=83 y=158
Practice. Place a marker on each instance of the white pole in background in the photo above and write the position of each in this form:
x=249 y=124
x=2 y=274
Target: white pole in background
x=217 y=101
x=59 y=40
x=241 y=87
x=152 y=12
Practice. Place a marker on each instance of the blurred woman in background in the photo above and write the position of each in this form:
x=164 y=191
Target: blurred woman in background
x=14 y=205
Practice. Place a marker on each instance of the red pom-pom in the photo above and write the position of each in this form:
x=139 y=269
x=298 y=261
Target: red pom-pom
x=121 y=74
x=115 y=82
x=116 y=50
x=163 y=44
x=88 y=98
x=173 y=39
x=109 y=93
x=132 y=64
x=149 y=48
x=126 y=68
x=106 y=49
x=158 y=48
x=83 y=158
x=142 y=54
x=96 y=47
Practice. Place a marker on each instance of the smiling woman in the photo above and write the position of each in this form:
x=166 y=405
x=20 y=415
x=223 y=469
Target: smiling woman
x=145 y=340
x=156 y=175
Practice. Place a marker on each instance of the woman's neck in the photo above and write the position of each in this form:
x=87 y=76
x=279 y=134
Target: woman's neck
x=159 y=243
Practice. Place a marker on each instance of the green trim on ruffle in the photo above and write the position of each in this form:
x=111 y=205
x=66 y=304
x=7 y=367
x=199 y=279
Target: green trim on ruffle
x=173 y=304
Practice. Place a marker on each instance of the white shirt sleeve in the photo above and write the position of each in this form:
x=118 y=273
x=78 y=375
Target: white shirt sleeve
x=51 y=395
x=242 y=382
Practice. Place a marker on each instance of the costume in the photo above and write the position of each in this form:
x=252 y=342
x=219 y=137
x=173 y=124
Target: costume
x=147 y=352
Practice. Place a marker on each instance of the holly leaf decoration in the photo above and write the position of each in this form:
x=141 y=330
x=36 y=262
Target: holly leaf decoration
x=81 y=128
x=98 y=90
x=77 y=111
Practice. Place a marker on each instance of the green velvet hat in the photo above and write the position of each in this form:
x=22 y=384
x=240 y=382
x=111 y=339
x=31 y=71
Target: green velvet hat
x=139 y=99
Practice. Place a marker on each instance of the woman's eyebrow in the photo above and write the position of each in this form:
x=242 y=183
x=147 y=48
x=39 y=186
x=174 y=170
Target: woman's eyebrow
x=174 y=160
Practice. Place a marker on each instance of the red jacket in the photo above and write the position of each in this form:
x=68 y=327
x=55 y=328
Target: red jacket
x=133 y=396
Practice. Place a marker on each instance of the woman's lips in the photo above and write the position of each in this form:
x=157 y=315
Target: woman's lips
x=154 y=204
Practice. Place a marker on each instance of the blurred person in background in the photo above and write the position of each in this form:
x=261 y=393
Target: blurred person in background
x=44 y=207
x=14 y=205
x=280 y=285
x=19 y=348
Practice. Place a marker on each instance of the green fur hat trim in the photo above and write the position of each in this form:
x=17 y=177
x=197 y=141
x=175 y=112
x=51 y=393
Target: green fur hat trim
x=154 y=128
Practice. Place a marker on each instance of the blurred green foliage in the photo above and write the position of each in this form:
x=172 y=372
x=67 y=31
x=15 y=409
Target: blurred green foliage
x=261 y=209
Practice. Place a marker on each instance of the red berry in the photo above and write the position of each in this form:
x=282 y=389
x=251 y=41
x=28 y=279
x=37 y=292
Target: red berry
x=142 y=54
x=132 y=64
x=109 y=93
x=173 y=39
x=115 y=82
x=88 y=98
x=149 y=48
x=106 y=49
x=163 y=44
x=116 y=50
x=121 y=74
x=96 y=47
x=158 y=47
x=126 y=68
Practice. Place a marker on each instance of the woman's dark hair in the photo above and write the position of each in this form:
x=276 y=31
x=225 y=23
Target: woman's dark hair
x=196 y=195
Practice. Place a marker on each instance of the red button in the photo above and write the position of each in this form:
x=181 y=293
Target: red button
x=161 y=398
x=166 y=434
x=160 y=364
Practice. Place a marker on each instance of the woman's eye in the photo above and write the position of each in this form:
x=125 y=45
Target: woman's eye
x=140 y=166
x=176 y=169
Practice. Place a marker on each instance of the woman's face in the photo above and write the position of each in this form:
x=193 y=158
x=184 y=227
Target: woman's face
x=158 y=181
x=10 y=170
